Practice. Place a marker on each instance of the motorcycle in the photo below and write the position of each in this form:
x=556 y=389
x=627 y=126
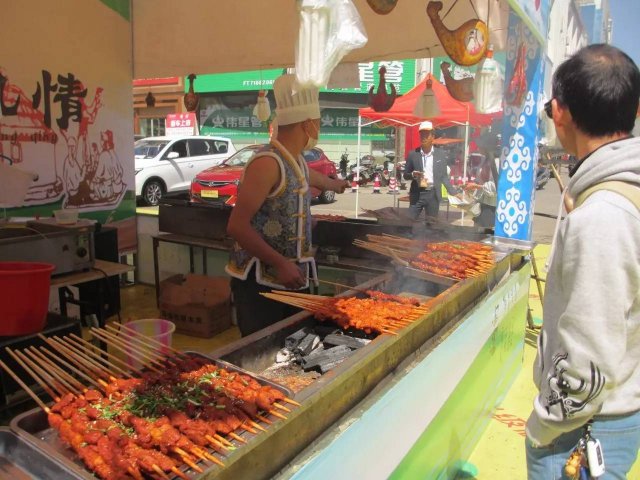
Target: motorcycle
x=344 y=164
x=362 y=173
x=542 y=176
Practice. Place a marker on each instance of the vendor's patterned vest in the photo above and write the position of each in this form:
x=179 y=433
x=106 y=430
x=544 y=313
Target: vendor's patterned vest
x=283 y=221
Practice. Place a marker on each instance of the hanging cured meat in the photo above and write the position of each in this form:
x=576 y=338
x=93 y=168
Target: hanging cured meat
x=467 y=44
x=462 y=89
x=382 y=7
x=518 y=85
x=382 y=101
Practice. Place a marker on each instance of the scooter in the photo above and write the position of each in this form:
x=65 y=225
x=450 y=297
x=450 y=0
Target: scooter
x=542 y=176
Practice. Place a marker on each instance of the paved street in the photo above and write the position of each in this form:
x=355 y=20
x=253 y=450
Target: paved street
x=546 y=207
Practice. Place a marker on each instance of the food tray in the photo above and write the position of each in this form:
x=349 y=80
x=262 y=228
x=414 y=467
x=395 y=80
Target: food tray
x=21 y=460
x=422 y=275
x=33 y=427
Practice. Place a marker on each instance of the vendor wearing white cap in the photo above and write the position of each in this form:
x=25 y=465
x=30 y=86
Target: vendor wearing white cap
x=426 y=167
x=271 y=221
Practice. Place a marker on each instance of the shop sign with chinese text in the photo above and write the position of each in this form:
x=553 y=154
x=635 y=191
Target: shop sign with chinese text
x=180 y=124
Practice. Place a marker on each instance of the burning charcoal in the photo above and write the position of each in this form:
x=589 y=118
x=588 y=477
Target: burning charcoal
x=293 y=340
x=351 y=342
x=284 y=355
x=308 y=344
x=314 y=354
x=327 y=359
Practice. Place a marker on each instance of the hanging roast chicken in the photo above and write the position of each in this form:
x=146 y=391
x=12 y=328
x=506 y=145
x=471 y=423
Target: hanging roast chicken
x=467 y=44
x=462 y=89
x=382 y=101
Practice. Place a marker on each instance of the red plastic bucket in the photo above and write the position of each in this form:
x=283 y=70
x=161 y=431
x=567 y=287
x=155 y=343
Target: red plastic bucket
x=24 y=297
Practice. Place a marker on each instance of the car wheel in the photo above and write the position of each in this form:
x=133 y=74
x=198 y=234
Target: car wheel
x=327 y=196
x=152 y=192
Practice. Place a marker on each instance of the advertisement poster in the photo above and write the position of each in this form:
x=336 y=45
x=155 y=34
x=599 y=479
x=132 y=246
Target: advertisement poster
x=66 y=109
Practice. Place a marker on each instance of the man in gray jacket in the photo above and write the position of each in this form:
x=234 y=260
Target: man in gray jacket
x=426 y=167
x=588 y=364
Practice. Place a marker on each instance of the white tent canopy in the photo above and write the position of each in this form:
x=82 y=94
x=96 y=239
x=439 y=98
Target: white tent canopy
x=175 y=38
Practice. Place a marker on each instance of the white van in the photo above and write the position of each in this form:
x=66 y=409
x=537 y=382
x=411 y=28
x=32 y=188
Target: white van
x=168 y=164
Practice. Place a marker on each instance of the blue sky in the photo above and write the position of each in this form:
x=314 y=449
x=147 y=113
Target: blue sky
x=626 y=24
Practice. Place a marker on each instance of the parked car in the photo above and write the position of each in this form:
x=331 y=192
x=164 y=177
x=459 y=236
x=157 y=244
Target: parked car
x=169 y=164
x=222 y=181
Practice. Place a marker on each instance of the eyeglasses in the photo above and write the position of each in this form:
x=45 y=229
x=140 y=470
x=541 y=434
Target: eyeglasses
x=547 y=109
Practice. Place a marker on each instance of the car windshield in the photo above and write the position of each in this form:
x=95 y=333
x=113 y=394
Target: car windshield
x=311 y=155
x=241 y=158
x=148 y=148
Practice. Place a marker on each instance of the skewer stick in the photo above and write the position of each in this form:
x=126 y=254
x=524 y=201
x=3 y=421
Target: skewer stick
x=256 y=425
x=264 y=419
x=88 y=349
x=196 y=452
x=39 y=380
x=137 y=339
x=215 y=443
x=74 y=385
x=179 y=473
x=26 y=388
x=186 y=459
x=83 y=363
x=123 y=346
x=390 y=332
x=117 y=346
x=57 y=386
x=237 y=437
x=153 y=341
x=76 y=356
x=291 y=401
x=128 y=343
x=67 y=365
x=208 y=456
x=135 y=473
x=281 y=407
x=277 y=414
x=159 y=471
x=223 y=440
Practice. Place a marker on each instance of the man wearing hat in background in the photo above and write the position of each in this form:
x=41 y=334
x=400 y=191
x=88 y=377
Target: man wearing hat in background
x=426 y=167
x=271 y=221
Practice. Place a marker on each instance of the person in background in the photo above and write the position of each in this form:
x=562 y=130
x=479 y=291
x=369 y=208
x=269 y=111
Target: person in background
x=588 y=365
x=271 y=221
x=426 y=167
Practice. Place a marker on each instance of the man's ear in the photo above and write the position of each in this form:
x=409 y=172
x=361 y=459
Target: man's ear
x=561 y=114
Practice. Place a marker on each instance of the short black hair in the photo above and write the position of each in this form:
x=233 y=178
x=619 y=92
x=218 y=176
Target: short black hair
x=600 y=85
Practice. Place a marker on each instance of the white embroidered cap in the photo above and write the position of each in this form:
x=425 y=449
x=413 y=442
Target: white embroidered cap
x=427 y=125
x=294 y=104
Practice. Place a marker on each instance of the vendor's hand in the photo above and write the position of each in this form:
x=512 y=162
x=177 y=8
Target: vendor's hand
x=338 y=186
x=417 y=174
x=290 y=275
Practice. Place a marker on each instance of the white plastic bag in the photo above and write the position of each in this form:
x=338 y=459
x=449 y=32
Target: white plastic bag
x=488 y=86
x=329 y=29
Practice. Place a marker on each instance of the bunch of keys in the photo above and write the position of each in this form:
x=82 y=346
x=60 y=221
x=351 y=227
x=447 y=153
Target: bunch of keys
x=586 y=461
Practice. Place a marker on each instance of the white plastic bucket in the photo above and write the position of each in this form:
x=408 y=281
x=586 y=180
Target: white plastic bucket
x=154 y=328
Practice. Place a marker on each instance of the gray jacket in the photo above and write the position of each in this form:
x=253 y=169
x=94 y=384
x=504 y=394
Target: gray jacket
x=588 y=359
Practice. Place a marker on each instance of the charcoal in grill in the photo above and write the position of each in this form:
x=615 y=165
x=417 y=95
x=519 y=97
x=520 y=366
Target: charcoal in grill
x=307 y=344
x=327 y=359
x=293 y=340
x=334 y=340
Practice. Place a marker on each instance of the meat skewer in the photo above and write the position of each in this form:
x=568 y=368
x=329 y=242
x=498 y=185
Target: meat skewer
x=74 y=385
x=141 y=345
x=69 y=366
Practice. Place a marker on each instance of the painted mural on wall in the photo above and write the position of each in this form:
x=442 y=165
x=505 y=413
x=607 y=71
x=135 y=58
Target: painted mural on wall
x=61 y=114
x=66 y=110
x=521 y=133
x=535 y=13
